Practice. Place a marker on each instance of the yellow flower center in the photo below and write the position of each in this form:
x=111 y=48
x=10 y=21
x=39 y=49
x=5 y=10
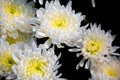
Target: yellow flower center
x=12 y=40
x=21 y=37
x=36 y=66
x=93 y=47
x=6 y=60
x=110 y=72
x=12 y=9
x=58 y=21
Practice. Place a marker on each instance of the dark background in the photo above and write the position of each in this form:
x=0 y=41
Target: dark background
x=105 y=13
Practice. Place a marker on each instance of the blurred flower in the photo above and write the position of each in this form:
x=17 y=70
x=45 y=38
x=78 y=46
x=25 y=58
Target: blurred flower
x=107 y=68
x=6 y=59
x=15 y=15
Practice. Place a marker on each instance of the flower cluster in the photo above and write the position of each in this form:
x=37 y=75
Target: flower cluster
x=22 y=58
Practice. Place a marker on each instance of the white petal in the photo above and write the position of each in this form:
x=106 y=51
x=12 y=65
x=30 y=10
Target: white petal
x=78 y=54
x=87 y=64
x=41 y=2
x=15 y=58
x=116 y=54
x=40 y=34
x=11 y=76
x=80 y=64
x=93 y=3
x=74 y=50
x=47 y=44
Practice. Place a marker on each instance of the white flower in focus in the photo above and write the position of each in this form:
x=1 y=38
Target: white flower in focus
x=108 y=69
x=96 y=43
x=6 y=59
x=37 y=63
x=59 y=23
x=15 y=15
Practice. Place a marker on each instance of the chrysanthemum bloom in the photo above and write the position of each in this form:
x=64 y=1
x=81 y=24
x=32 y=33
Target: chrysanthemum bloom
x=15 y=15
x=59 y=23
x=37 y=63
x=96 y=43
x=106 y=69
x=6 y=59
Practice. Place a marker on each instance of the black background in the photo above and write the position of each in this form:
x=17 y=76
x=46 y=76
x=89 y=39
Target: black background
x=105 y=13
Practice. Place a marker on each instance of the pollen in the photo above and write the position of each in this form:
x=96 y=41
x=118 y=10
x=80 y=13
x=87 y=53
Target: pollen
x=59 y=21
x=36 y=66
x=110 y=72
x=93 y=47
x=7 y=60
x=13 y=10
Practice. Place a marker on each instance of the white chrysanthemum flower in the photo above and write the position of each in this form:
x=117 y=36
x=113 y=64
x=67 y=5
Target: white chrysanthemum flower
x=108 y=69
x=6 y=59
x=37 y=63
x=96 y=43
x=58 y=22
x=15 y=15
